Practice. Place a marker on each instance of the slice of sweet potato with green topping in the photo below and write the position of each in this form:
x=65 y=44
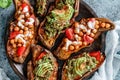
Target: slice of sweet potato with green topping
x=58 y=19
x=82 y=66
x=42 y=66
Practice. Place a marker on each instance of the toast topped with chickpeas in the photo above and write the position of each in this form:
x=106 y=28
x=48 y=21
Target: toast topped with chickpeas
x=43 y=65
x=22 y=31
x=57 y=19
x=82 y=34
x=82 y=66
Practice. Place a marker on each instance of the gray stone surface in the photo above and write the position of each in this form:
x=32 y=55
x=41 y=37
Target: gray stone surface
x=103 y=8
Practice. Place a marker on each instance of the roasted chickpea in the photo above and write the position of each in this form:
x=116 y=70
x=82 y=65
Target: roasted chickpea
x=65 y=39
x=85 y=43
x=96 y=22
x=19 y=45
x=32 y=32
x=63 y=48
x=31 y=36
x=14 y=45
x=12 y=41
x=81 y=33
x=25 y=32
x=79 y=38
x=76 y=24
x=21 y=31
x=30 y=26
x=92 y=35
x=77 y=47
x=71 y=47
x=102 y=25
x=20 y=8
x=94 y=30
x=26 y=28
x=80 y=43
x=51 y=42
x=107 y=25
x=26 y=38
x=15 y=40
x=96 y=26
x=16 y=28
x=84 y=30
x=18 y=18
x=76 y=31
x=19 y=41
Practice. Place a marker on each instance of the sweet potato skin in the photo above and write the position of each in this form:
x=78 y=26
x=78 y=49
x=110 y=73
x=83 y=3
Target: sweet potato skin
x=63 y=55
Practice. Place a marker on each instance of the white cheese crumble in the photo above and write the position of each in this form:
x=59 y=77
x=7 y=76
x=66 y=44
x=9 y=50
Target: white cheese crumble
x=21 y=36
x=83 y=27
x=91 y=24
x=31 y=21
x=68 y=43
x=20 y=23
x=25 y=9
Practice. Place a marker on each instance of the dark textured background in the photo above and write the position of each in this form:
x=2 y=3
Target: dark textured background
x=103 y=8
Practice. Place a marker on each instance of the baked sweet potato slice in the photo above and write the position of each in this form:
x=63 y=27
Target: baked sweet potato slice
x=43 y=65
x=21 y=31
x=58 y=19
x=42 y=7
x=82 y=66
x=82 y=34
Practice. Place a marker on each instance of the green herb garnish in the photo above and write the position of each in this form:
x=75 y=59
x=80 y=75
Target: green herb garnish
x=5 y=3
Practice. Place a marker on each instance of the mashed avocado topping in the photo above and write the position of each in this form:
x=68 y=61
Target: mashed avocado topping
x=41 y=5
x=80 y=66
x=58 y=20
x=43 y=69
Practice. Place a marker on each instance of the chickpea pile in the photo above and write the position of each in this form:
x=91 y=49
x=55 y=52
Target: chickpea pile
x=91 y=33
x=26 y=31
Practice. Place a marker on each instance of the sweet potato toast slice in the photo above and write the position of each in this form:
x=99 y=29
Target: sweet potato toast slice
x=82 y=34
x=43 y=65
x=42 y=7
x=82 y=66
x=21 y=31
x=58 y=19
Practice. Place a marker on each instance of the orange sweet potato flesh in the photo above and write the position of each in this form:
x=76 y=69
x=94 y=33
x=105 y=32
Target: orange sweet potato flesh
x=65 y=54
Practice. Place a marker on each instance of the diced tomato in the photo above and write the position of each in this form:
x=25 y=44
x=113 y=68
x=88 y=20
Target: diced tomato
x=41 y=55
x=92 y=19
x=20 y=50
x=96 y=54
x=25 y=5
x=88 y=39
x=69 y=33
x=13 y=34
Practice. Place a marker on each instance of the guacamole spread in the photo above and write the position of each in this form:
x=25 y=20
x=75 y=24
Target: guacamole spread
x=43 y=69
x=79 y=66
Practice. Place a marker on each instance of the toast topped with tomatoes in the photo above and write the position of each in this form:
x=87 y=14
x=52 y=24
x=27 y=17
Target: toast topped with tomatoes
x=82 y=66
x=59 y=18
x=43 y=65
x=82 y=34
x=22 y=31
